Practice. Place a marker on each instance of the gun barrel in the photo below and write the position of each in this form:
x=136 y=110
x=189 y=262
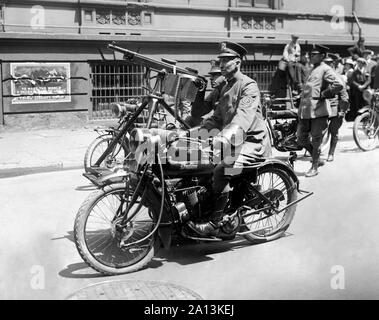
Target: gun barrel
x=149 y=62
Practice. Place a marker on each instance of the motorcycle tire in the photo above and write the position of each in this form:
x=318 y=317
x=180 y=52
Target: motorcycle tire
x=292 y=194
x=359 y=121
x=99 y=145
x=93 y=258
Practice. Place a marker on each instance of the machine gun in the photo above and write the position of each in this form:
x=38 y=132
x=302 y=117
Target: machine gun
x=168 y=77
x=160 y=67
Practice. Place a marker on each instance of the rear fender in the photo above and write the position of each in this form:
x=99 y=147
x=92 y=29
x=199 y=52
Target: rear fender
x=284 y=166
x=364 y=110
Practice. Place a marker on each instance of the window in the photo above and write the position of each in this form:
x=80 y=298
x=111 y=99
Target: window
x=88 y=15
x=114 y=81
x=260 y=71
x=255 y=3
x=147 y=18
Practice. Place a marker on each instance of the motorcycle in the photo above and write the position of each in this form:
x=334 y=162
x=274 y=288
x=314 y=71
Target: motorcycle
x=282 y=122
x=140 y=208
x=366 y=124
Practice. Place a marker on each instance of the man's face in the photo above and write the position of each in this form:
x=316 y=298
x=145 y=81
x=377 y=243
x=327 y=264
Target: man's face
x=229 y=66
x=316 y=58
x=213 y=77
x=294 y=39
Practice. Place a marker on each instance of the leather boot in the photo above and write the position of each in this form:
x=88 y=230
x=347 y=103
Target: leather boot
x=333 y=145
x=212 y=227
x=313 y=171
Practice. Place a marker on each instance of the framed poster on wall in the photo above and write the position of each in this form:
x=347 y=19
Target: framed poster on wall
x=40 y=82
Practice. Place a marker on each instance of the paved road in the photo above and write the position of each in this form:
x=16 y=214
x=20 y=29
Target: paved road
x=337 y=227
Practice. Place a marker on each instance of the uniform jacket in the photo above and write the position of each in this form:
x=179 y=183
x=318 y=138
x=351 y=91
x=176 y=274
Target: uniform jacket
x=322 y=84
x=238 y=105
x=340 y=102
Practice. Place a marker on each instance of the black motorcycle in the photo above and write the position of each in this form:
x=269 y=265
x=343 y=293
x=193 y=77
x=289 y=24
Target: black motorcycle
x=137 y=209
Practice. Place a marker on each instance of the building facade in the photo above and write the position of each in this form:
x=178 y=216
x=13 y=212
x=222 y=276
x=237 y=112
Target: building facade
x=54 y=56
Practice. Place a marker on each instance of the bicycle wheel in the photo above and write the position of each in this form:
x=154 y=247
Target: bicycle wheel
x=365 y=131
x=98 y=147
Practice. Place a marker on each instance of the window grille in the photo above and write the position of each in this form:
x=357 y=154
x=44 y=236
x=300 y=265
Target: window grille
x=261 y=72
x=114 y=81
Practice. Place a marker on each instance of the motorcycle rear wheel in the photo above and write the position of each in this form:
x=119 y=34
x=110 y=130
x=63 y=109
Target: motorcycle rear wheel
x=97 y=148
x=365 y=131
x=95 y=233
x=266 y=223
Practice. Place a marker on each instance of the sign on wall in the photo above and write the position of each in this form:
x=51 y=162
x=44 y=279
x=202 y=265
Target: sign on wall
x=40 y=82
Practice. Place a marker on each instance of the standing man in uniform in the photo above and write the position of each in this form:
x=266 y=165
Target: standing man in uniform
x=238 y=114
x=314 y=108
x=339 y=105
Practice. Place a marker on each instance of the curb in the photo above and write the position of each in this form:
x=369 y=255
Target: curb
x=22 y=171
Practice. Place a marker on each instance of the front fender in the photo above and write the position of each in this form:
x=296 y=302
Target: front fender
x=111 y=178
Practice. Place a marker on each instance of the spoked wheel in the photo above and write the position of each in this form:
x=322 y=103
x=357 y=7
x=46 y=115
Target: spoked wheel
x=105 y=240
x=267 y=224
x=365 y=131
x=98 y=147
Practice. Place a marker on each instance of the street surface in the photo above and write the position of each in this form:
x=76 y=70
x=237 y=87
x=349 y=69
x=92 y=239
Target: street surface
x=334 y=233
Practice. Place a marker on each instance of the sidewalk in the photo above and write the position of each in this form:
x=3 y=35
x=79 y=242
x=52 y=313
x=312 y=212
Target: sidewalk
x=62 y=149
x=43 y=150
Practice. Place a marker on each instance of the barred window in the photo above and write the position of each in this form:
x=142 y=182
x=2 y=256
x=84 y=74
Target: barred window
x=256 y=3
x=114 y=81
x=262 y=72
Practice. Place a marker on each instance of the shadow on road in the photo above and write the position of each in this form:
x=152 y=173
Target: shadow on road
x=351 y=150
x=68 y=236
x=183 y=252
x=79 y=270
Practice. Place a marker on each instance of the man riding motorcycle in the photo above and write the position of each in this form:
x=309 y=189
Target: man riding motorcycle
x=238 y=114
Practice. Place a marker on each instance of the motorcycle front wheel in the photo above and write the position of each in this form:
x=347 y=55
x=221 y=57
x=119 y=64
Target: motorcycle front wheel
x=365 y=131
x=268 y=225
x=106 y=243
x=98 y=147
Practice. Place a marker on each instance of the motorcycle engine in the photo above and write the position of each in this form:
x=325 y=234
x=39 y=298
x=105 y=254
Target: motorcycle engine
x=191 y=201
x=286 y=133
